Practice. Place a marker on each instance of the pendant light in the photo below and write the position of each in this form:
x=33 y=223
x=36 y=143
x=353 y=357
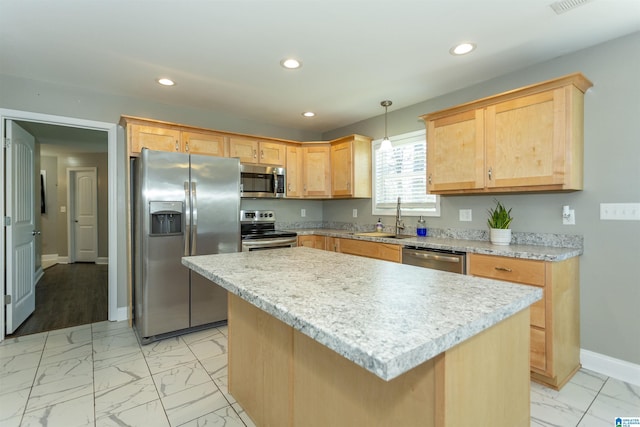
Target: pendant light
x=386 y=142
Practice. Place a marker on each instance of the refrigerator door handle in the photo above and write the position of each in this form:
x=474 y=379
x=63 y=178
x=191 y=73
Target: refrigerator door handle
x=187 y=219
x=194 y=213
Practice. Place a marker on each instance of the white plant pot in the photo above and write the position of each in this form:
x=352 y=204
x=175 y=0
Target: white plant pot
x=500 y=236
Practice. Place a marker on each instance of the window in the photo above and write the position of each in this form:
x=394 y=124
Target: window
x=402 y=172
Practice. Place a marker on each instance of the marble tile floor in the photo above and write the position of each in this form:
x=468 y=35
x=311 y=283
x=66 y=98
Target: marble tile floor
x=98 y=375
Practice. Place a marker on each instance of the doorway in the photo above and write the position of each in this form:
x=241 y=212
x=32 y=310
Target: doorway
x=82 y=198
x=111 y=131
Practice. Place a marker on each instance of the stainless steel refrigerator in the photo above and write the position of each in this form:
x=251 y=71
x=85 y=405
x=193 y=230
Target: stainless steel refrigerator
x=185 y=204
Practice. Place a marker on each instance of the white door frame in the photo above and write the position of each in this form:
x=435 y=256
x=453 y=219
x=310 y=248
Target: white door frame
x=71 y=208
x=111 y=129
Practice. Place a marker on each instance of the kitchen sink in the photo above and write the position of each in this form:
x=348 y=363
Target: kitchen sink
x=385 y=235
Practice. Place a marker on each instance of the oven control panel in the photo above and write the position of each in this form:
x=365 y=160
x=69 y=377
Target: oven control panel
x=257 y=216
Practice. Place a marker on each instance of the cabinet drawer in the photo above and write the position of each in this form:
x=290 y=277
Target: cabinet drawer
x=529 y=272
x=381 y=251
x=538 y=349
x=538 y=313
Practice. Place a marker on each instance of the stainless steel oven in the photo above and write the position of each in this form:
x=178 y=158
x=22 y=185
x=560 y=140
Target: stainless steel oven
x=262 y=182
x=258 y=232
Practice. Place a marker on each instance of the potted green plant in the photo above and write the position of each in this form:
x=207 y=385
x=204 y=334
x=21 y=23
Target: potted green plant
x=499 y=221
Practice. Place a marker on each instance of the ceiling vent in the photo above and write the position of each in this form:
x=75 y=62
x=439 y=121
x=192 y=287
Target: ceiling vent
x=566 y=5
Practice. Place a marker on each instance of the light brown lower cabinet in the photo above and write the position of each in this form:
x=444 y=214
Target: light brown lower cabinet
x=383 y=251
x=555 y=320
x=312 y=241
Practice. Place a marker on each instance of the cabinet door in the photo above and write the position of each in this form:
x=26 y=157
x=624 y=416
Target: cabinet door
x=294 y=171
x=383 y=251
x=203 y=143
x=316 y=171
x=312 y=241
x=526 y=141
x=455 y=152
x=272 y=153
x=342 y=169
x=244 y=149
x=153 y=138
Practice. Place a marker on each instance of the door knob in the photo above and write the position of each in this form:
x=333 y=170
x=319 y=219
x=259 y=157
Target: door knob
x=34 y=233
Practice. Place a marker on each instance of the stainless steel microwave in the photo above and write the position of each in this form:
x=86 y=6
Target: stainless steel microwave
x=262 y=182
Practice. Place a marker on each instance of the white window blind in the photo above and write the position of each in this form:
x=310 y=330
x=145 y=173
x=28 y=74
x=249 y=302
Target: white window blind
x=402 y=172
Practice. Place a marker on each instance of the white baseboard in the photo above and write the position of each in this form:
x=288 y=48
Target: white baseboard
x=123 y=314
x=48 y=260
x=102 y=260
x=611 y=367
x=38 y=275
x=63 y=260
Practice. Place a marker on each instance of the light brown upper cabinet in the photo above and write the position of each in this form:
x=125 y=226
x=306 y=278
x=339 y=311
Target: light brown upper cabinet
x=256 y=151
x=203 y=143
x=161 y=136
x=294 y=171
x=351 y=167
x=529 y=139
x=316 y=170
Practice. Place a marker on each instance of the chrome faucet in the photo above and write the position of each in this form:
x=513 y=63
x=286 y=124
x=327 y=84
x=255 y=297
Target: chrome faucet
x=399 y=223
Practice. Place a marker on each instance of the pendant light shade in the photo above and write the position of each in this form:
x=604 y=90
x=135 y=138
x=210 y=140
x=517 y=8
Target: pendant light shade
x=386 y=142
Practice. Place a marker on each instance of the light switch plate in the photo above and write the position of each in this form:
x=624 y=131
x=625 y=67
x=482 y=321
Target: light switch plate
x=465 y=214
x=620 y=211
x=355 y=213
x=303 y=212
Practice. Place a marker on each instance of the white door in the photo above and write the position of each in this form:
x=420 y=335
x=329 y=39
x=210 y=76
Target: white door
x=85 y=215
x=21 y=232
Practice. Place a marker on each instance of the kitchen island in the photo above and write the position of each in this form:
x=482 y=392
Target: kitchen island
x=319 y=338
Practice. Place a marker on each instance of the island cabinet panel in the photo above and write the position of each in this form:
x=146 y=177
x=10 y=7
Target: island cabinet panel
x=312 y=241
x=284 y=378
x=555 y=320
x=261 y=373
x=351 y=167
x=529 y=139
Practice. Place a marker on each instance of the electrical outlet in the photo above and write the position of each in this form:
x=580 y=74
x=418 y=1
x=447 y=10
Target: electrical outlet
x=355 y=213
x=569 y=218
x=465 y=214
x=63 y=209
x=620 y=211
x=303 y=212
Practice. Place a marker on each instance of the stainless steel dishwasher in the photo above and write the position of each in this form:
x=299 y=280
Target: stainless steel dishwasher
x=437 y=259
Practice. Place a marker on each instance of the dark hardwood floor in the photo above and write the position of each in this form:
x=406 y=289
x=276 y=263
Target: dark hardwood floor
x=68 y=295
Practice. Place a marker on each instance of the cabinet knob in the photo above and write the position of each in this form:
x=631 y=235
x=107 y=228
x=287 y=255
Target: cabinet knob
x=429 y=179
x=490 y=172
x=186 y=147
x=289 y=187
x=177 y=146
x=262 y=154
x=255 y=154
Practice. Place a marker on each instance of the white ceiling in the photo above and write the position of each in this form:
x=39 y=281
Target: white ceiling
x=225 y=55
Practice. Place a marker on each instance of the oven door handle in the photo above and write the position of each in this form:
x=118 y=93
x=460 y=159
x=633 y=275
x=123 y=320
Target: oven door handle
x=269 y=243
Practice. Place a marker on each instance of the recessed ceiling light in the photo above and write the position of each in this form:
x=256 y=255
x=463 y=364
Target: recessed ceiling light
x=309 y=114
x=166 y=82
x=462 y=48
x=291 y=63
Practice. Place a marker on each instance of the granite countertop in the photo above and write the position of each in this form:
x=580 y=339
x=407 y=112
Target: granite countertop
x=386 y=317
x=534 y=252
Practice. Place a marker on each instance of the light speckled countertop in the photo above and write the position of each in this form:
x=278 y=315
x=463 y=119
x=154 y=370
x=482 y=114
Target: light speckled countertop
x=535 y=252
x=386 y=317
